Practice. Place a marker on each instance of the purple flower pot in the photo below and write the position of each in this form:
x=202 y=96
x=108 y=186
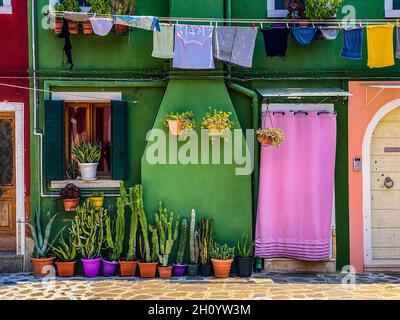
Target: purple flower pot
x=179 y=269
x=109 y=268
x=91 y=267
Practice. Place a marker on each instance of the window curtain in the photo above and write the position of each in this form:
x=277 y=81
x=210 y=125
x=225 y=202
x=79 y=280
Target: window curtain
x=296 y=188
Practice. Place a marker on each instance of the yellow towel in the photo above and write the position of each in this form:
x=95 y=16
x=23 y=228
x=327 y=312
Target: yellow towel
x=380 y=46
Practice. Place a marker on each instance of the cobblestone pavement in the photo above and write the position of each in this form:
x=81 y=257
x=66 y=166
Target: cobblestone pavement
x=266 y=286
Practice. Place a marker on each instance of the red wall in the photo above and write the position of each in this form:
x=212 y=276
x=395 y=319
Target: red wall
x=14 y=65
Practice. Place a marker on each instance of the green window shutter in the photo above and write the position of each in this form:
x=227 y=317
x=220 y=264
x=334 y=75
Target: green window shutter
x=119 y=140
x=54 y=140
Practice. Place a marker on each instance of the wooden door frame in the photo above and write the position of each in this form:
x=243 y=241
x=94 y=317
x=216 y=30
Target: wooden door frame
x=18 y=109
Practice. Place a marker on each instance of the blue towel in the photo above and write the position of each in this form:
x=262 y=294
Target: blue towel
x=352 y=43
x=304 y=35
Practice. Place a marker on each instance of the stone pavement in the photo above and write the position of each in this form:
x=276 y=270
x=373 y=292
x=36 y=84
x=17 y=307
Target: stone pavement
x=265 y=286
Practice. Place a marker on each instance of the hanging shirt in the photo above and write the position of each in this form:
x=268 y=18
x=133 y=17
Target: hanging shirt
x=193 y=47
x=275 y=41
x=163 y=42
x=380 y=46
x=141 y=22
x=101 y=26
x=304 y=35
x=243 y=47
x=352 y=43
x=329 y=33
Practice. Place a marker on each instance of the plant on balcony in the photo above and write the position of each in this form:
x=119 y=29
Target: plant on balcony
x=100 y=6
x=322 y=9
x=180 y=123
x=222 y=258
x=70 y=195
x=217 y=122
x=96 y=199
x=270 y=137
x=123 y=7
x=245 y=259
x=66 y=254
x=88 y=155
x=69 y=6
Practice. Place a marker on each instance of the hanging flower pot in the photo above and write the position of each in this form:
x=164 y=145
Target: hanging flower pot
x=175 y=127
x=120 y=29
x=71 y=204
x=87 y=28
x=179 y=123
x=58 y=27
x=217 y=123
x=96 y=199
x=216 y=132
x=270 y=137
x=71 y=196
x=73 y=27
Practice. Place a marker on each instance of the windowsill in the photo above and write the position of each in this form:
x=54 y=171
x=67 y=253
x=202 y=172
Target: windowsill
x=96 y=184
x=5 y=9
x=392 y=13
x=277 y=13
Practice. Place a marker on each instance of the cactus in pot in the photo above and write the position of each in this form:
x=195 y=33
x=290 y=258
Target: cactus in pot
x=179 y=266
x=206 y=240
x=193 y=266
x=222 y=258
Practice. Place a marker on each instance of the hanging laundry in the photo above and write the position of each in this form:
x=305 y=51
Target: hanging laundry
x=193 y=47
x=397 y=42
x=67 y=43
x=304 y=35
x=380 y=46
x=163 y=42
x=243 y=47
x=141 y=22
x=329 y=33
x=224 y=38
x=101 y=26
x=275 y=41
x=352 y=43
x=76 y=16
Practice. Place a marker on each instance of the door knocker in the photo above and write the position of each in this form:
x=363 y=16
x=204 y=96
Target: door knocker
x=389 y=183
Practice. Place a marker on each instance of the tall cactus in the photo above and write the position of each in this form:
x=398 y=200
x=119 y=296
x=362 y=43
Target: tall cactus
x=115 y=239
x=155 y=248
x=205 y=239
x=193 y=240
x=138 y=207
x=182 y=243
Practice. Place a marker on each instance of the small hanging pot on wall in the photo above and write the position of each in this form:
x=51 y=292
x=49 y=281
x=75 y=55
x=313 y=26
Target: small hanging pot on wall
x=120 y=29
x=270 y=137
x=73 y=27
x=87 y=28
x=58 y=26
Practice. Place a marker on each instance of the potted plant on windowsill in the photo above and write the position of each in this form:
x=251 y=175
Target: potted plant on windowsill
x=222 y=258
x=193 y=266
x=41 y=260
x=167 y=229
x=69 y=6
x=88 y=155
x=66 y=254
x=270 y=137
x=245 y=259
x=322 y=9
x=122 y=7
x=217 y=122
x=88 y=232
x=96 y=199
x=70 y=195
x=180 y=123
x=179 y=267
x=206 y=239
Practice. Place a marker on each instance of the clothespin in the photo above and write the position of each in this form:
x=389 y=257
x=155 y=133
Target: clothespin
x=170 y=23
x=287 y=25
x=253 y=25
x=360 y=24
x=262 y=26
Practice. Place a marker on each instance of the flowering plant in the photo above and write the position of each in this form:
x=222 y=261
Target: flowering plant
x=218 y=119
x=185 y=119
x=270 y=136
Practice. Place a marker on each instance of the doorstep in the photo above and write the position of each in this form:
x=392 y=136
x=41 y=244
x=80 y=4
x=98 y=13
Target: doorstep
x=291 y=265
x=10 y=262
x=382 y=268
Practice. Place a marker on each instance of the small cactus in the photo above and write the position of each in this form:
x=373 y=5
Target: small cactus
x=182 y=243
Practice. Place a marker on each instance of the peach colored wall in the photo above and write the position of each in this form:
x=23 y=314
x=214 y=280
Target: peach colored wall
x=360 y=115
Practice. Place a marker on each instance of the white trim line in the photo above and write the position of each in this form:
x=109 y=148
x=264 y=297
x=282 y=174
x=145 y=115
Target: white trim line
x=18 y=109
x=87 y=96
x=389 y=11
x=366 y=175
x=6 y=8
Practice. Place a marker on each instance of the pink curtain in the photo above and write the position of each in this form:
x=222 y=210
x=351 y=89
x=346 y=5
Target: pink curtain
x=296 y=188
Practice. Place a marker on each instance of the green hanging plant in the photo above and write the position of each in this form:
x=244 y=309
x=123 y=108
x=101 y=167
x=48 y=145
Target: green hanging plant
x=67 y=5
x=322 y=9
x=123 y=7
x=100 y=6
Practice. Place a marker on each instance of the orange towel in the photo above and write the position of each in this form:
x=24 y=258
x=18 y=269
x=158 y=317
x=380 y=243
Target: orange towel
x=380 y=46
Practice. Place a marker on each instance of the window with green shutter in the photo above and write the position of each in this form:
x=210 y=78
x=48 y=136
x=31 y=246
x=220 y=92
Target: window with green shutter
x=119 y=152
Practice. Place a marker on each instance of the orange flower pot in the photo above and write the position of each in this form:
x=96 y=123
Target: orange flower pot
x=148 y=270
x=264 y=140
x=216 y=133
x=127 y=268
x=73 y=27
x=41 y=267
x=121 y=29
x=58 y=27
x=175 y=127
x=165 y=272
x=66 y=269
x=87 y=28
x=222 y=268
x=71 y=204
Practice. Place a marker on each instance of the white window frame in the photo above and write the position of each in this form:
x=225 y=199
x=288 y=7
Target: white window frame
x=274 y=13
x=6 y=8
x=389 y=11
x=53 y=2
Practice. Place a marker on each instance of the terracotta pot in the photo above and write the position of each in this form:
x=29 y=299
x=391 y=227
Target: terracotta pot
x=175 y=127
x=222 y=268
x=264 y=140
x=58 y=27
x=216 y=133
x=71 y=204
x=96 y=202
x=120 y=29
x=66 y=269
x=148 y=270
x=73 y=27
x=87 y=27
x=127 y=268
x=165 y=272
x=42 y=267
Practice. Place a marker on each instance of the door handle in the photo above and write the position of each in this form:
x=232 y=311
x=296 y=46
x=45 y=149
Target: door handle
x=389 y=183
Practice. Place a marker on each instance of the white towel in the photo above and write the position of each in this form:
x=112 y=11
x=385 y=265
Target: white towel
x=101 y=26
x=163 y=42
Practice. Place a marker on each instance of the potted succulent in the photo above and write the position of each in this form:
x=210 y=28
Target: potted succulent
x=88 y=155
x=96 y=199
x=193 y=266
x=222 y=258
x=128 y=265
x=100 y=6
x=270 y=137
x=66 y=254
x=122 y=7
x=245 y=259
x=88 y=236
x=322 y=9
x=180 y=123
x=69 y=6
x=115 y=233
x=41 y=260
x=167 y=233
x=206 y=239
x=70 y=195
x=179 y=267
x=217 y=122
x=148 y=265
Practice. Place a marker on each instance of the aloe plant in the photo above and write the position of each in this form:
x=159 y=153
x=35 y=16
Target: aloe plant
x=87 y=152
x=244 y=249
x=65 y=252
